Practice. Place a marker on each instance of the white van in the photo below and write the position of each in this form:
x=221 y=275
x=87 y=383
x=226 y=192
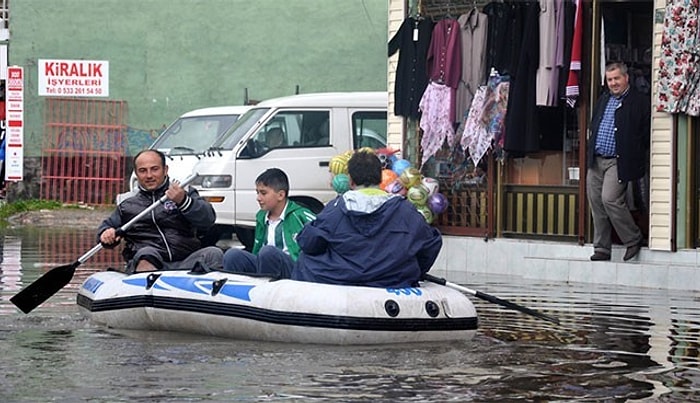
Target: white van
x=313 y=128
x=190 y=136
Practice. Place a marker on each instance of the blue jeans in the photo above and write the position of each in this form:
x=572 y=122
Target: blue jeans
x=270 y=261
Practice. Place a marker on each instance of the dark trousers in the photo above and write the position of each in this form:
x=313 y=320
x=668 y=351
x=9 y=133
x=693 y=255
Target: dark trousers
x=270 y=261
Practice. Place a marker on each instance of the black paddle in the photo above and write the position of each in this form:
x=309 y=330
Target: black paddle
x=490 y=298
x=52 y=281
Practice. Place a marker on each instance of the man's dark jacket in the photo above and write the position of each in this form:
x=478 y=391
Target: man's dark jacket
x=170 y=228
x=632 y=123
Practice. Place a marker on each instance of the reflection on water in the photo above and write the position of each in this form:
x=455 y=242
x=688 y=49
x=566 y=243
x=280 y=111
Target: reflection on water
x=613 y=344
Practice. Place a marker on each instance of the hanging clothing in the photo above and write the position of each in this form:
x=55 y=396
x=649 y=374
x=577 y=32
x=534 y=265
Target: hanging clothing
x=551 y=60
x=411 y=41
x=475 y=137
x=484 y=125
x=445 y=58
x=436 y=123
x=522 y=126
x=572 y=88
x=473 y=29
x=679 y=67
x=505 y=26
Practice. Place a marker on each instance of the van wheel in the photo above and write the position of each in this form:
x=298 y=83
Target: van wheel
x=246 y=236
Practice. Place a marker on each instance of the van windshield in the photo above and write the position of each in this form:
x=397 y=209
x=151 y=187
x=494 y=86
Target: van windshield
x=240 y=128
x=193 y=135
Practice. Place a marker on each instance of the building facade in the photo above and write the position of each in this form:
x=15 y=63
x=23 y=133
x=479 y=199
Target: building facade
x=531 y=209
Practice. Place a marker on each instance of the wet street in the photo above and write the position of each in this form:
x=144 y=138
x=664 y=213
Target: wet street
x=613 y=344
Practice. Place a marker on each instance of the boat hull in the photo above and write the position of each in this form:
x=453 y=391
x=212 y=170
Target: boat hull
x=252 y=308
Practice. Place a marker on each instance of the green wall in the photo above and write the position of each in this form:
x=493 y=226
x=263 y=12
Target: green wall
x=170 y=56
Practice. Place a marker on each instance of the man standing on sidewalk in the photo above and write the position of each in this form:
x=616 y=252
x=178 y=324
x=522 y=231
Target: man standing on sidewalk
x=618 y=150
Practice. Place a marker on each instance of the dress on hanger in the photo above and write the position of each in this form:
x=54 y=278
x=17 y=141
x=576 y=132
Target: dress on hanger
x=411 y=41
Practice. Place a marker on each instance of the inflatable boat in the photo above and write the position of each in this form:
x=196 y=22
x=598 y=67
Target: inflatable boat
x=253 y=308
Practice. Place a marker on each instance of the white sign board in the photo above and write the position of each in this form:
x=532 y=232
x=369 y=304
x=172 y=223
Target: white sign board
x=14 y=116
x=73 y=78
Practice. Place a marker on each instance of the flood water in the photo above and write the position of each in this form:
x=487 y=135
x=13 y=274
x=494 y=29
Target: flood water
x=613 y=344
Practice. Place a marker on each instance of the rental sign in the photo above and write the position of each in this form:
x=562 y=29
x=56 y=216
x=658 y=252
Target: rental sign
x=14 y=134
x=73 y=78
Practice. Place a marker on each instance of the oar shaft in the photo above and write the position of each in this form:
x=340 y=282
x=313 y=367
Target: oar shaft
x=490 y=298
x=90 y=253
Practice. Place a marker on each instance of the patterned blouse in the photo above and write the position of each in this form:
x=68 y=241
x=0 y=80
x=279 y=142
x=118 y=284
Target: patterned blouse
x=679 y=66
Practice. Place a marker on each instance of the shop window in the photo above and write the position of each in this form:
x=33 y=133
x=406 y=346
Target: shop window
x=558 y=161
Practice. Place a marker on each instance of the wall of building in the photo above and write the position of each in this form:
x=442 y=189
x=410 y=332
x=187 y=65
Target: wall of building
x=170 y=56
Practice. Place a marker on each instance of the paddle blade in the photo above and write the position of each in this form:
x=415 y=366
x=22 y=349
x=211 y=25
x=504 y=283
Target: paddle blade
x=44 y=287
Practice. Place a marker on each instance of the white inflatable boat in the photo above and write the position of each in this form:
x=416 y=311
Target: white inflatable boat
x=252 y=308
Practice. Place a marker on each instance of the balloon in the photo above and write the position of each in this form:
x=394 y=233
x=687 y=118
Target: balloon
x=427 y=214
x=386 y=156
x=410 y=177
x=388 y=176
x=400 y=165
x=339 y=163
x=396 y=187
x=431 y=184
x=386 y=163
x=437 y=203
x=341 y=183
x=417 y=195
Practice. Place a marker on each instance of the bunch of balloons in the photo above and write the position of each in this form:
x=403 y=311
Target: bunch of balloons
x=398 y=177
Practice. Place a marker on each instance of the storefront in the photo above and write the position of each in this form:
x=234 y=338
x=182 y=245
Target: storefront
x=523 y=174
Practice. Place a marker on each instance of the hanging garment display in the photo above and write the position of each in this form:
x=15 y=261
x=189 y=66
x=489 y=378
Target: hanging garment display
x=679 y=67
x=473 y=29
x=445 y=58
x=551 y=54
x=505 y=27
x=412 y=41
x=572 y=89
x=435 y=121
x=485 y=123
x=522 y=126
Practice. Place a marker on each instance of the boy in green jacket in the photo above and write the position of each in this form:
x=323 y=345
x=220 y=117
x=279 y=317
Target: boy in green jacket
x=277 y=224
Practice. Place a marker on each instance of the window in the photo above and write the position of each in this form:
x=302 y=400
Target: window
x=369 y=129
x=195 y=134
x=292 y=129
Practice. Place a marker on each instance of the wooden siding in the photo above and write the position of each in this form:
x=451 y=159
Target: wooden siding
x=661 y=198
x=395 y=124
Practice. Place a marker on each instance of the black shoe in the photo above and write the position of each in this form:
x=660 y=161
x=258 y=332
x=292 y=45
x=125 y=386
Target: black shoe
x=600 y=256
x=632 y=251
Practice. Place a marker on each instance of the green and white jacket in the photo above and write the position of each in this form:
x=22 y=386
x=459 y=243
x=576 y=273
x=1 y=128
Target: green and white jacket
x=294 y=218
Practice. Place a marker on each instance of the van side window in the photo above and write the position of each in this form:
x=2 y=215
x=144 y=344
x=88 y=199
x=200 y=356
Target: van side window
x=315 y=128
x=369 y=129
x=290 y=129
